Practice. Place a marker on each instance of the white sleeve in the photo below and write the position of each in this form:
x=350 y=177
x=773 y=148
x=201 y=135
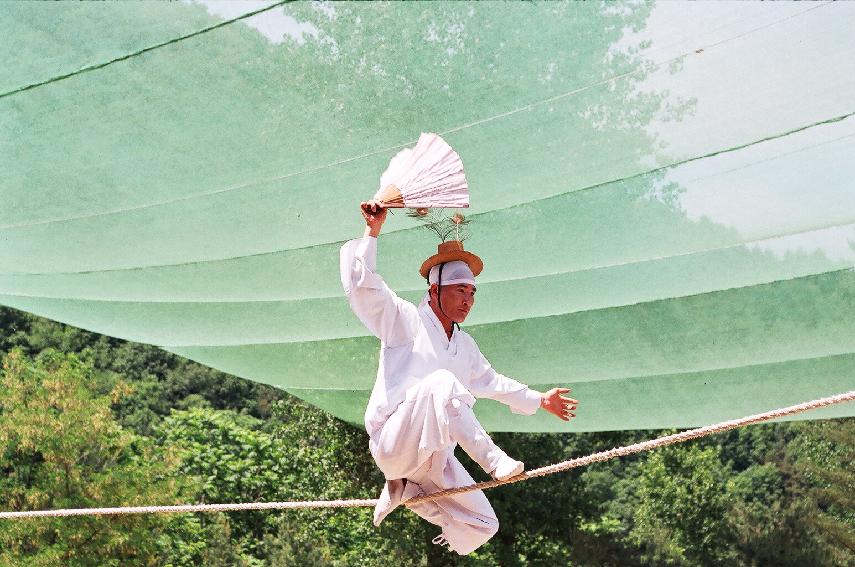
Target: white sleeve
x=391 y=319
x=487 y=383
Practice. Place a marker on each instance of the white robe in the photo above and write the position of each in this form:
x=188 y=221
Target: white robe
x=425 y=382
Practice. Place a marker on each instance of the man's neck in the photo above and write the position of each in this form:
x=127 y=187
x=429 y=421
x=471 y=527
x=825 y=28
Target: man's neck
x=447 y=324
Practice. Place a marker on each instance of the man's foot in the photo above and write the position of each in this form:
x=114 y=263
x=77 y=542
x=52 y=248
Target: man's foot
x=507 y=468
x=442 y=542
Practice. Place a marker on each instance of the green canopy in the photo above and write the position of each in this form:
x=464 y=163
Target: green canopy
x=662 y=193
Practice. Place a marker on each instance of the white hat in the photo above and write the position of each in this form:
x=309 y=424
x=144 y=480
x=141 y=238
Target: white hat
x=455 y=272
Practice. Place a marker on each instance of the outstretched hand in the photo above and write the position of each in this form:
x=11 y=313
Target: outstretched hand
x=375 y=215
x=558 y=405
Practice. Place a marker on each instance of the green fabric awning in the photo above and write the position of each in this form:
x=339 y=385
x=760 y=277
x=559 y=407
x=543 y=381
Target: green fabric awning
x=663 y=194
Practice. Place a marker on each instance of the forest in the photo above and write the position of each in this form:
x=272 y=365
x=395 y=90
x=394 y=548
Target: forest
x=87 y=420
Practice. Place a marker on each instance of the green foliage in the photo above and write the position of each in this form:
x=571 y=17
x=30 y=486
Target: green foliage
x=233 y=461
x=330 y=460
x=541 y=522
x=681 y=516
x=160 y=381
x=60 y=447
x=824 y=458
x=189 y=540
x=764 y=495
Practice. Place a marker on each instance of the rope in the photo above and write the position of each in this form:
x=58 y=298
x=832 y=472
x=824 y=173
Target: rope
x=645 y=445
x=543 y=471
x=190 y=508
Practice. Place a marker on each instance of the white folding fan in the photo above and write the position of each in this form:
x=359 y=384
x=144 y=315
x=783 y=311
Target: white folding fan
x=426 y=176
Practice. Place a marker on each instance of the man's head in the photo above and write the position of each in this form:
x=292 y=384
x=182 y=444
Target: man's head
x=454 y=300
x=452 y=290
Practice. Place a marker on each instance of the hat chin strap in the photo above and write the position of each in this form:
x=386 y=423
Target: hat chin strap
x=439 y=301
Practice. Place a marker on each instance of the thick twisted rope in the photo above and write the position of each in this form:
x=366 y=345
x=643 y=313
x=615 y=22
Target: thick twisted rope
x=543 y=471
x=645 y=445
x=235 y=507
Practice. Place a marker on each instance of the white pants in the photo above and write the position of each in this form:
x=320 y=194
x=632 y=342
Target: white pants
x=417 y=444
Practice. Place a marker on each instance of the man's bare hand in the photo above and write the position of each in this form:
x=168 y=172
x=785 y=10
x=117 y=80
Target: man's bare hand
x=374 y=215
x=558 y=405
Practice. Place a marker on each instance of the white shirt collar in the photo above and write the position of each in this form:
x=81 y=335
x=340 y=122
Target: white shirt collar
x=428 y=313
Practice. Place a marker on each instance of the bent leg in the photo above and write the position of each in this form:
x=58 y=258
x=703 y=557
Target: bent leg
x=417 y=443
x=420 y=426
x=467 y=520
x=468 y=432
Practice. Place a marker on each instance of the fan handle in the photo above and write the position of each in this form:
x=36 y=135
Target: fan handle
x=391 y=197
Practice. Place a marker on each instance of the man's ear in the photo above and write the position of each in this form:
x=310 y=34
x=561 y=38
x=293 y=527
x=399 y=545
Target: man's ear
x=432 y=290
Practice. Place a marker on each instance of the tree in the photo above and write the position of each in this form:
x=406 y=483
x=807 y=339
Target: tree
x=60 y=447
x=329 y=459
x=232 y=461
x=161 y=380
x=681 y=515
x=824 y=457
x=776 y=494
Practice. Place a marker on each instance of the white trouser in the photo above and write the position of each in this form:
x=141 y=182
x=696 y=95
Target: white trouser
x=417 y=443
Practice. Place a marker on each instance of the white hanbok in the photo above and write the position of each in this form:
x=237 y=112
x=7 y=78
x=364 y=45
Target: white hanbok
x=420 y=407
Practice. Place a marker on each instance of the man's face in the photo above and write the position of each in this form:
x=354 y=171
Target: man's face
x=456 y=300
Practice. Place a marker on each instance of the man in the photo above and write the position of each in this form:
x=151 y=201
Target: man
x=429 y=376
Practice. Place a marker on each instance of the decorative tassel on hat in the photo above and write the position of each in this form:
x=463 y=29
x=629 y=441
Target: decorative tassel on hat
x=449 y=251
x=452 y=231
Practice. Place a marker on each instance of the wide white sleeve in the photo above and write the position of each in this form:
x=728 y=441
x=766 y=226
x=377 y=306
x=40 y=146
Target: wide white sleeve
x=391 y=319
x=487 y=383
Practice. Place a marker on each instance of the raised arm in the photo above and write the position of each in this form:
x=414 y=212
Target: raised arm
x=391 y=319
